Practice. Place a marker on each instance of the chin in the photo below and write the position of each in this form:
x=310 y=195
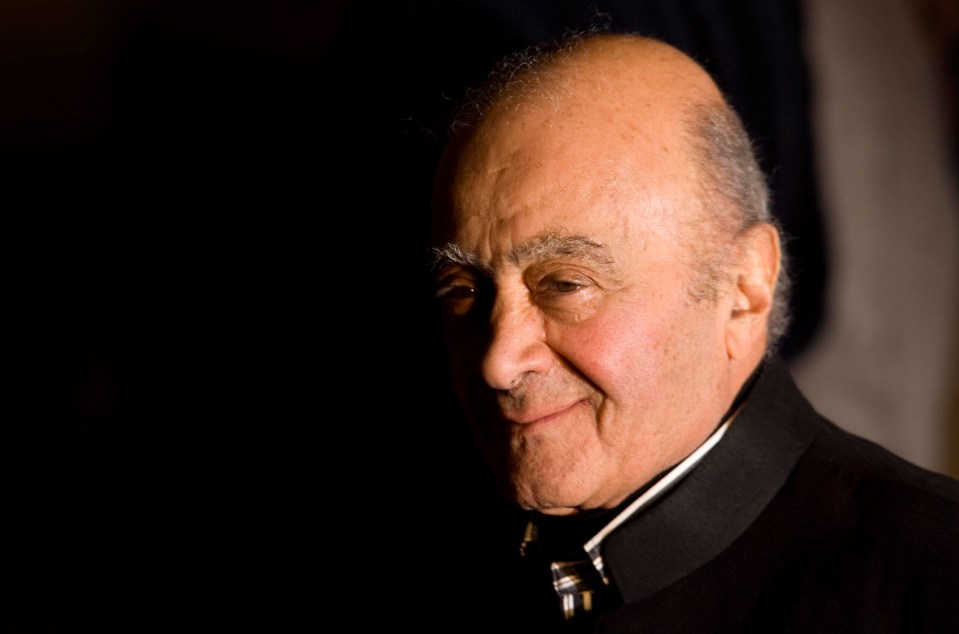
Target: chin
x=549 y=497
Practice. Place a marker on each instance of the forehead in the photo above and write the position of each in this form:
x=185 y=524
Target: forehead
x=526 y=180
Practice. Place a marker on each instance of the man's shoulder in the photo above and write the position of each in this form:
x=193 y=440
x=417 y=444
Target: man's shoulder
x=865 y=489
x=783 y=412
x=849 y=456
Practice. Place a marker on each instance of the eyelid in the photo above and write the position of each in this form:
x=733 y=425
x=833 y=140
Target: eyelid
x=454 y=278
x=569 y=275
x=443 y=290
x=449 y=271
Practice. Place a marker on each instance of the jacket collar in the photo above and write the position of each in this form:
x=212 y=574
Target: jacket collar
x=722 y=496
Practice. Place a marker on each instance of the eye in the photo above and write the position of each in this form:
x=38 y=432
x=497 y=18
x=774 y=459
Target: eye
x=560 y=284
x=456 y=294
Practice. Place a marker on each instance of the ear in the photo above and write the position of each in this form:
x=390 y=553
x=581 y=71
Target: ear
x=756 y=269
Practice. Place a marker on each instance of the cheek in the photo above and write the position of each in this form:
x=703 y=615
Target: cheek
x=641 y=359
x=619 y=354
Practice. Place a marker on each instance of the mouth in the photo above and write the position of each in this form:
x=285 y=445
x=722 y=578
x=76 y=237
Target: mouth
x=544 y=416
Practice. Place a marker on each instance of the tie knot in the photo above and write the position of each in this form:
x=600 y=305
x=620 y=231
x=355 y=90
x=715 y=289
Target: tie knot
x=578 y=584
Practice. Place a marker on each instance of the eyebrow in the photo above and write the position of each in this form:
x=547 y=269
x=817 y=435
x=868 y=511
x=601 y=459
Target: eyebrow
x=544 y=247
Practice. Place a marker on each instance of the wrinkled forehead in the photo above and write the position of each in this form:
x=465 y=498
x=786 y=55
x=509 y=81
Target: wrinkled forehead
x=544 y=169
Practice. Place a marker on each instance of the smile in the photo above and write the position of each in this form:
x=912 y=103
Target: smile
x=540 y=418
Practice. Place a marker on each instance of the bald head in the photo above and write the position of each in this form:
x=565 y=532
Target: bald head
x=623 y=74
x=626 y=91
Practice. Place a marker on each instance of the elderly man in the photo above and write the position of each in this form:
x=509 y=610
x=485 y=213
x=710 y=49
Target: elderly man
x=611 y=288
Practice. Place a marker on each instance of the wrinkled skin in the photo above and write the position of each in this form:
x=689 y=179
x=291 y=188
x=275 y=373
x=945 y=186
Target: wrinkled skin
x=575 y=349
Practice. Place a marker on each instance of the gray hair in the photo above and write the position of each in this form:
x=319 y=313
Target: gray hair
x=735 y=197
x=519 y=74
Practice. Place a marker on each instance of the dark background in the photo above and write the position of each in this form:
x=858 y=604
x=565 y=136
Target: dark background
x=178 y=254
x=223 y=410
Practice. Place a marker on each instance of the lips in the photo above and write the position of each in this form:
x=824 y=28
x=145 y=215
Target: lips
x=544 y=415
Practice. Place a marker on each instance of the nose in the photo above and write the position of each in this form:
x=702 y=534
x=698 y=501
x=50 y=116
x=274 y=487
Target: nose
x=517 y=343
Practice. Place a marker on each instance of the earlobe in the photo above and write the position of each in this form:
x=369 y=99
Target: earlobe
x=757 y=270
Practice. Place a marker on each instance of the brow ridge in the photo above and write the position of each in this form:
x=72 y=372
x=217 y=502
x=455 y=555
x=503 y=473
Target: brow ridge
x=544 y=247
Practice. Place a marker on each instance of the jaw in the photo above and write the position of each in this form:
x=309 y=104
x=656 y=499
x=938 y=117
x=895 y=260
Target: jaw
x=554 y=465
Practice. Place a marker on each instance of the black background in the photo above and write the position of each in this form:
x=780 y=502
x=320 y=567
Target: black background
x=178 y=259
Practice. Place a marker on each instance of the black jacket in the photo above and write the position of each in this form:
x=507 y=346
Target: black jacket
x=788 y=525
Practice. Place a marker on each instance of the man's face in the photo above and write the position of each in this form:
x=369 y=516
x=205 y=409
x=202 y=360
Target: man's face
x=575 y=350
